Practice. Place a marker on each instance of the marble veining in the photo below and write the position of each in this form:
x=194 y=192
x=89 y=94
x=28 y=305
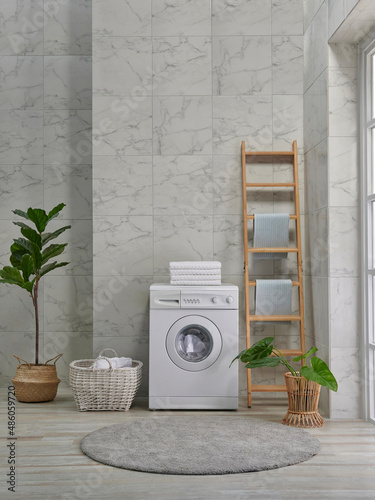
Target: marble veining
x=67 y=82
x=228 y=243
x=188 y=237
x=67 y=27
x=122 y=126
x=132 y=192
x=182 y=125
x=287 y=64
x=68 y=303
x=71 y=184
x=316 y=39
x=21 y=187
x=21 y=137
x=181 y=17
x=227 y=182
x=67 y=137
x=238 y=17
x=183 y=185
x=315 y=112
x=182 y=66
x=345 y=312
x=21 y=27
x=121 y=310
x=242 y=65
x=248 y=117
x=122 y=66
x=287 y=17
x=122 y=18
x=343 y=93
x=21 y=82
x=123 y=245
x=343 y=171
x=344 y=241
x=287 y=122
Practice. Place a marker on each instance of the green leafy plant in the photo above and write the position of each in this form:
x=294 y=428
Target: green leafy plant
x=263 y=353
x=31 y=255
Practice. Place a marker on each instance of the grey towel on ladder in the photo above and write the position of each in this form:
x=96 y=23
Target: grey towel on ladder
x=273 y=298
x=271 y=230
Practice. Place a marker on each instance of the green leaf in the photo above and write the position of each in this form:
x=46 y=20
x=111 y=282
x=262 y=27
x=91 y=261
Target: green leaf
x=33 y=236
x=306 y=355
x=320 y=373
x=46 y=237
x=50 y=267
x=258 y=363
x=11 y=275
x=52 y=251
x=237 y=357
x=22 y=224
x=259 y=350
x=27 y=267
x=39 y=217
x=28 y=286
x=32 y=249
x=21 y=213
x=55 y=211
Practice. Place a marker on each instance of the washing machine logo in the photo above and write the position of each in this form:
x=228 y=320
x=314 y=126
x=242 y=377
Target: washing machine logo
x=192 y=301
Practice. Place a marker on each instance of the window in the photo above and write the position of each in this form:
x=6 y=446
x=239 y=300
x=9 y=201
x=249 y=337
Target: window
x=368 y=217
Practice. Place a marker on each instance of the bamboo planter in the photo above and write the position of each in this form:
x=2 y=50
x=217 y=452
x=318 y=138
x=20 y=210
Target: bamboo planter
x=303 y=399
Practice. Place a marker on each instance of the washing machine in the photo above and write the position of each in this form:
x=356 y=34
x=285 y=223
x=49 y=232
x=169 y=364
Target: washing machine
x=193 y=339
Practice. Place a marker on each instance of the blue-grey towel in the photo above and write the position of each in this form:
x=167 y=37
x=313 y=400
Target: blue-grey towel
x=273 y=298
x=271 y=230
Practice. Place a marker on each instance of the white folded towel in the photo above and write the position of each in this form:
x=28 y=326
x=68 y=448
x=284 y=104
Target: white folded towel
x=196 y=282
x=194 y=272
x=196 y=277
x=102 y=364
x=195 y=265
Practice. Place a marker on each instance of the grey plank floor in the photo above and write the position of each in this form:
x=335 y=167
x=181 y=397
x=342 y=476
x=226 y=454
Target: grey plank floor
x=49 y=464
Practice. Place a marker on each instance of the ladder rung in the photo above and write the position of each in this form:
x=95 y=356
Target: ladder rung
x=294 y=283
x=275 y=318
x=272 y=250
x=270 y=184
x=269 y=153
x=268 y=388
x=290 y=352
x=291 y=216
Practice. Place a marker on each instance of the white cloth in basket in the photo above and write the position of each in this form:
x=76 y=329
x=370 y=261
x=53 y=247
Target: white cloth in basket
x=102 y=364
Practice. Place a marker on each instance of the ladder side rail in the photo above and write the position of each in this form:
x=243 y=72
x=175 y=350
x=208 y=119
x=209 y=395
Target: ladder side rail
x=246 y=258
x=299 y=246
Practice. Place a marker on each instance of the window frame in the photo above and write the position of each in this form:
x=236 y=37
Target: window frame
x=367 y=161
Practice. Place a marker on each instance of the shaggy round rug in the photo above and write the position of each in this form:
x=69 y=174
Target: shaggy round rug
x=199 y=444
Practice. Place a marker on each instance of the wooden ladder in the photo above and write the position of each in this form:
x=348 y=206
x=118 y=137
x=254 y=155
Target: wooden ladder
x=293 y=157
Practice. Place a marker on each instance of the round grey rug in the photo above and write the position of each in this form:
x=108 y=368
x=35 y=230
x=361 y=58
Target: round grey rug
x=199 y=444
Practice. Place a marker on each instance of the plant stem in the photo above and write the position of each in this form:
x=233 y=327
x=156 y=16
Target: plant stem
x=35 y=302
x=285 y=362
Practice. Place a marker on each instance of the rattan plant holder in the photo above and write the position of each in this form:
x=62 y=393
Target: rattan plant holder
x=111 y=389
x=303 y=399
x=36 y=383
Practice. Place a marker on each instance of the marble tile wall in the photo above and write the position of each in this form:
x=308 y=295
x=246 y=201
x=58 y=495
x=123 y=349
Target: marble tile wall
x=45 y=158
x=176 y=86
x=332 y=220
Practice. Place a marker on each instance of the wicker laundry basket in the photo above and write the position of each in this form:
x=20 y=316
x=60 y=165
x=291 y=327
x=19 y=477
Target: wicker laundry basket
x=104 y=390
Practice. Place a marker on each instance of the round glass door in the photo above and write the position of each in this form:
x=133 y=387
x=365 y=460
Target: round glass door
x=193 y=343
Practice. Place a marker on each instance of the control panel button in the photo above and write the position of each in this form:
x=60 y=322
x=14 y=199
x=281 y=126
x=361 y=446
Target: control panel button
x=215 y=300
x=229 y=299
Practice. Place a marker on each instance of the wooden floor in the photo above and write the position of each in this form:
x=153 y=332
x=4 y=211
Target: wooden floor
x=49 y=464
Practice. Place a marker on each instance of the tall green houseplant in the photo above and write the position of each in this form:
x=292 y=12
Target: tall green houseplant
x=31 y=255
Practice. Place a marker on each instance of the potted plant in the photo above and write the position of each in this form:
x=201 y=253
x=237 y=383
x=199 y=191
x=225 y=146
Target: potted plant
x=303 y=386
x=30 y=261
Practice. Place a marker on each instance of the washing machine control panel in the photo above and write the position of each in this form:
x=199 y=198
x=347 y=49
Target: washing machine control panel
x=220 y=300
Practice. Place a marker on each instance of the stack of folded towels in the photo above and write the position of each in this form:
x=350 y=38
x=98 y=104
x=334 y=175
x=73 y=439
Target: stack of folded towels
x=195 y=273
x=102 y=364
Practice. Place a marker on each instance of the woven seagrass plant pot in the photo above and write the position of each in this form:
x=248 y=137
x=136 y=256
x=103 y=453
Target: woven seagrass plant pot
x=36 y=383
x=303 y=400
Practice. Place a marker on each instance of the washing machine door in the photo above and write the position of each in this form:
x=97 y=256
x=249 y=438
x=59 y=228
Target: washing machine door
x=194 y=343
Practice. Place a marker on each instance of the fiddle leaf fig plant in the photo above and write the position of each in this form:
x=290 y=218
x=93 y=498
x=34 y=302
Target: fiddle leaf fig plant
x=263 y=353
x=31 y=254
